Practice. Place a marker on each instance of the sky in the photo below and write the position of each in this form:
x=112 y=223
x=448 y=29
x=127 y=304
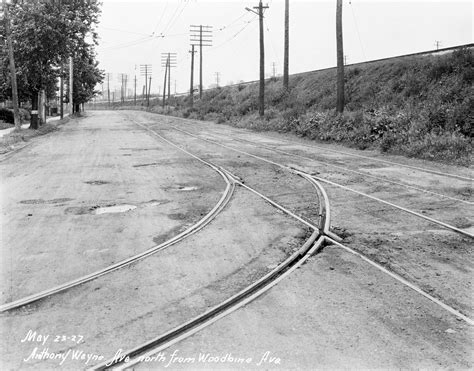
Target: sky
x=134 y=33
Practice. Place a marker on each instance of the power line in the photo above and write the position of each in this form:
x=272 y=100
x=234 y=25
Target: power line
x=236 y=34
x=125 y=31
x=174 y=18
x=161 y=18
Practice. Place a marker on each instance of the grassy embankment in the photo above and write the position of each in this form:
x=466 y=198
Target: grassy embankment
x=416 y=106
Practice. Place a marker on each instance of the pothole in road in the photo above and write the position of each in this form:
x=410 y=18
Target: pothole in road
x=184 y=189
x=143 y=165
x=97 y=210
x=113 y=209
x=97 y=182
x=41 y=201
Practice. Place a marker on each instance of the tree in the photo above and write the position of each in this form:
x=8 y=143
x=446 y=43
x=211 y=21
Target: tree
x=45 y=34
x=86 y=76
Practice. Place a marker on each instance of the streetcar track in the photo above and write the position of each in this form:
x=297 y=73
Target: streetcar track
x=138 y=354
x=449 y=175
x=414 y=213
x=365 y=174
x=320 y=235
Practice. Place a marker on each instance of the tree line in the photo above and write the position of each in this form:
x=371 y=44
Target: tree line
x=45 y=34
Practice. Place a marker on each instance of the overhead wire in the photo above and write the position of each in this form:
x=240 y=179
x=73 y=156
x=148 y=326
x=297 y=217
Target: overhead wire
x=161 y=18
x=247 y=23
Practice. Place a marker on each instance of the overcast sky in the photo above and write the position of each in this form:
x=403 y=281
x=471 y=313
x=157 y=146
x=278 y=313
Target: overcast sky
x=131 y=34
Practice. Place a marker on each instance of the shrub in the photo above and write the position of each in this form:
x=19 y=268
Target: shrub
x=7 y=115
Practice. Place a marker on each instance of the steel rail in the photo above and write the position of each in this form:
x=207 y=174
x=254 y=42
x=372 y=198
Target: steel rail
x=435 y=221
x=354 y=171
x=445 y=225
x=251 y=292
x=440 y=173
x=449 y=175
x=238 y=181
x=405 y=282
x=223 y=201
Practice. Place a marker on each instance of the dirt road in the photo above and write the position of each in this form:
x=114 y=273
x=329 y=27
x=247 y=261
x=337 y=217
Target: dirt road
x=108 y=186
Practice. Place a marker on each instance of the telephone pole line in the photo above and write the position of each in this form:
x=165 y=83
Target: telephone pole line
x=340 y=59
x=203 y=36
x=217 y=78
x=191 y=89
x=287 y=46
x=16 y=111
x=261 y=96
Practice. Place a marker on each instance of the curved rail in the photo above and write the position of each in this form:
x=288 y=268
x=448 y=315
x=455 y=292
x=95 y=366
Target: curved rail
x=223 y=201
x=138 y=354
x=445 y=225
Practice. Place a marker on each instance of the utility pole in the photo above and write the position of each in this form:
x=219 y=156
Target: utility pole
x=145 y=70
x=217 y=78
x=169 y=77
x=135 y=91
x=121 y=80
x=71 y=85
x=164 y=84
x=108 y=89
x=261 y=96
x=125 y=90
x=340 y=59
x=273 y=70
x=168 y=60
x=438 y=44
x=149 y=91
x=16 y=111
x=61 y=93
x=287 y=46
x=203 y=36
x=191 y=88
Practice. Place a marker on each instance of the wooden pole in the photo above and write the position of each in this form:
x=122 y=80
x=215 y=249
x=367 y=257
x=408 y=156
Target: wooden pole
x=16 y=111
x=286 y=62
x=191 y=88
x=71 y=85
x=164 y=84
x=169 y=77
x=261 y=96
x=340 y=59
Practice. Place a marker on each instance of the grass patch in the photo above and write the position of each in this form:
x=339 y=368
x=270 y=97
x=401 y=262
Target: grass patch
x=18 y=138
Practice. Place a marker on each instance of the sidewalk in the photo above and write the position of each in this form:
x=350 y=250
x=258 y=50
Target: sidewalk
x=26 y=126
